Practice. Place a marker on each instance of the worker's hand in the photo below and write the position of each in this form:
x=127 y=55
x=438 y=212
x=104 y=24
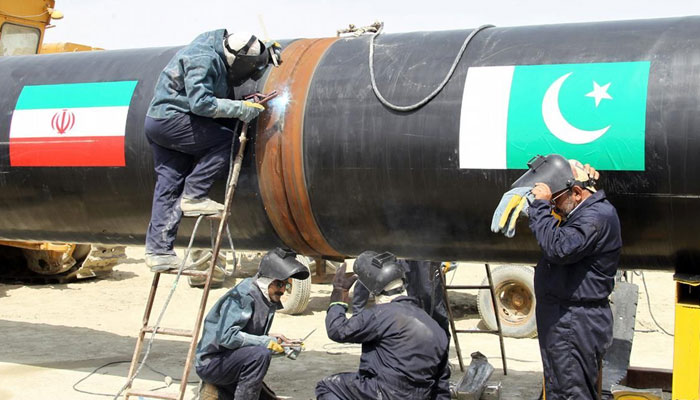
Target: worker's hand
x=246 y=111
x=275 y=347
x=541 y=191
x=281 y=339
x=513 y=203
x=592 y=173
x=341 y=280
x=342 y=283
x=275 y=50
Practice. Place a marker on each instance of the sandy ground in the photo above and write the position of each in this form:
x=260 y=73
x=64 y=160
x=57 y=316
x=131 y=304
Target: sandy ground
x=52 y=336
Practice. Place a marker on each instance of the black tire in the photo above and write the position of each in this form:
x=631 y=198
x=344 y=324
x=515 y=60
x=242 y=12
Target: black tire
x=298 y=294
x=515 y=294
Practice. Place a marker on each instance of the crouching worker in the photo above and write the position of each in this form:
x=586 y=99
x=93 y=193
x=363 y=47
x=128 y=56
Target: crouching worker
x=235 y=349
x=404 y=351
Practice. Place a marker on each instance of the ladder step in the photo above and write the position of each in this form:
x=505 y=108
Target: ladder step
x=214 y=217
x=187 y=272
x=169 y=331
x=153 y=395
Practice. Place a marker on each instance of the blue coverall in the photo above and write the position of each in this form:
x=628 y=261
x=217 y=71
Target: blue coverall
x=190 y=139
x=232 y=352
x=404 y=354
x=572 y=283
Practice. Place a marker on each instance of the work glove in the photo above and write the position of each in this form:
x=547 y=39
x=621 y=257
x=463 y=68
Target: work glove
x=275 y=347
x=513 y=203
x=275 y=50
x=342 y=283
x=245 y=110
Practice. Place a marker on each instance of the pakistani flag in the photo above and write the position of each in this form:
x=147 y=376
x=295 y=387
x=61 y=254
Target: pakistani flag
x=70 y=125
x=594 y=113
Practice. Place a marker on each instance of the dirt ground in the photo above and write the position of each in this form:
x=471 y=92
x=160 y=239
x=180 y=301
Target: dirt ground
x=52 y=336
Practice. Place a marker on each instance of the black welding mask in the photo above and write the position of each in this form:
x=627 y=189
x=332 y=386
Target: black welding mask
x=251 y=66
x=282 y=264
x=554 y=170
x=376 y=271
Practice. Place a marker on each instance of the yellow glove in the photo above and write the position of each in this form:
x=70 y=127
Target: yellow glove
x=255 y=105
x=275 y=347
x=512 y=205
x=246 y=110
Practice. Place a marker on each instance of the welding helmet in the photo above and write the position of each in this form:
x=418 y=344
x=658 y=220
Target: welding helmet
x=282 y=264
x=554 y=170
x=376 y=271
x=250 y=57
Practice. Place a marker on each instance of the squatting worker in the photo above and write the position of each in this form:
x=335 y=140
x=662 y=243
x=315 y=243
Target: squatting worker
x=235 y=349
x=186 y=127
x=574 y=277
x=404 y=351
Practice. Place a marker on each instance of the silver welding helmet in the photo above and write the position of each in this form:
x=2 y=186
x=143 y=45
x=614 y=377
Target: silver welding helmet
x=554 y=170
x=282 y=264
x=376 y=271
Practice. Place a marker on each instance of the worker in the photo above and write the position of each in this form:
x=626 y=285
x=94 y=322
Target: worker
x=235 y=349
x=575 y=275
x=404 y=351
x=188 y=127
x=422 y=282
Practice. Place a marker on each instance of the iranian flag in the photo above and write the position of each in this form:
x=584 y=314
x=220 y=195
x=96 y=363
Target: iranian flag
x=70 y=125
x=594 y=112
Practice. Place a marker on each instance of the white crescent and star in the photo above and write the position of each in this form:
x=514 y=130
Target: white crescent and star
x=558 y=125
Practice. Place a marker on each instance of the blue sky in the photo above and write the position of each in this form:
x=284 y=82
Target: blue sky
x=117 y=24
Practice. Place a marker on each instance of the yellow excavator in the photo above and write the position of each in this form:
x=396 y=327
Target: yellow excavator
x=23 y=24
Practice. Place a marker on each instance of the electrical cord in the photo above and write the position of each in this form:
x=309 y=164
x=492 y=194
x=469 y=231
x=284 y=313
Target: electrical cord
x=114 y=363
x=646 y=292
x=436 y=91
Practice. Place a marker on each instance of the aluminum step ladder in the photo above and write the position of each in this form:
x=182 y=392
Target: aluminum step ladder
x=455 y=331
x=209 y=273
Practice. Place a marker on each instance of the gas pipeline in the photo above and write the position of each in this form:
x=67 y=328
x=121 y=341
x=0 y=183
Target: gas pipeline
x=332 y=171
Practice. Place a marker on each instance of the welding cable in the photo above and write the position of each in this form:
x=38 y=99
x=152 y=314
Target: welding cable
x=162 y=311
x=646 y=292
x=440 y=86
x=114 y=363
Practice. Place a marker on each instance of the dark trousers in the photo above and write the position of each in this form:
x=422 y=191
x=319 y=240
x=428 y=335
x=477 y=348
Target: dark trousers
x=237 y=373
x=353 y=386
x=423 y=283
x=189 y=152
x=572 y=340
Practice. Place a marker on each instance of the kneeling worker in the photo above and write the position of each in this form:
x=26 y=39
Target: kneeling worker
x=404 y=351
x=234 y=352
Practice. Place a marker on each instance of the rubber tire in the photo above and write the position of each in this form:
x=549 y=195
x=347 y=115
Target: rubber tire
x=297 y=298
x=524 y=277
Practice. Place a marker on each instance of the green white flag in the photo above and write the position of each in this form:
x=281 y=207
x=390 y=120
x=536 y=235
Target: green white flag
x=594 y=113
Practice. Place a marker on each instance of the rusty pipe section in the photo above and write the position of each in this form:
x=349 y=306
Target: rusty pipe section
x=280 y=150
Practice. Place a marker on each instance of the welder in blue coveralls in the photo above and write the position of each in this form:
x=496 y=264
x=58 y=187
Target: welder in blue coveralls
x=575 y=275
x=234 y=352
x=422 y=282
x=404 y=351
x=188 y=127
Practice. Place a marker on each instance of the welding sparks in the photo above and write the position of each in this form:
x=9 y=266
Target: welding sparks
x=280 y=102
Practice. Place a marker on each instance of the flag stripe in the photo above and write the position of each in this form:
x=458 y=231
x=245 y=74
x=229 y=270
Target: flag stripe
x=101 y=151
x=90 y=121
x=71 y=95
x=484 y=117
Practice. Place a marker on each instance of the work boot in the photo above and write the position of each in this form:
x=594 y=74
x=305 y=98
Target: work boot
x=163 y=262
x=207 y=391
x=197 y=207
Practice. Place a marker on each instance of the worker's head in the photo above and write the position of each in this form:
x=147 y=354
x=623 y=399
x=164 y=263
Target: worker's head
x=247 y=57
x=275 y=270
x=566 y=200
x=381 y=274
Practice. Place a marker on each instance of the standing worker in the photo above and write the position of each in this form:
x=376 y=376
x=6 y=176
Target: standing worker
x=185 y=127
x=234 y=352
x=404 y=351
x=575 y=275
